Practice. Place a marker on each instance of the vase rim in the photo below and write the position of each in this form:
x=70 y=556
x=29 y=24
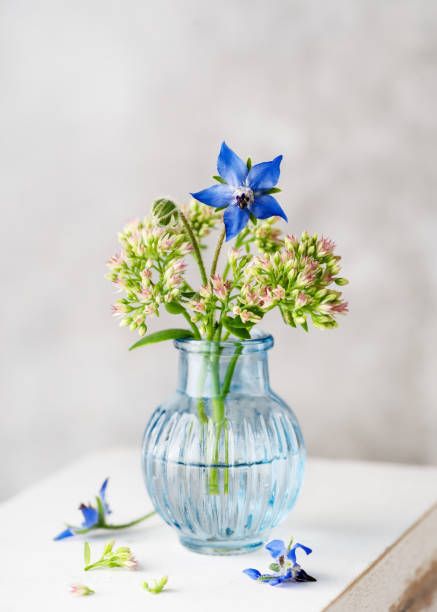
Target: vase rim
x=261 y=341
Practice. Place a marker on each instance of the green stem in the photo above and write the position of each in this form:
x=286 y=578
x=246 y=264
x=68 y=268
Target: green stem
x=210 y=335
x=92 y=565
x=217 y=251
x=218 y=416
x=124 y=525
x=191 y=324
x=230 y=370
x=121 y=526
x=226 y=271
x=196 y=247
x=203 y=417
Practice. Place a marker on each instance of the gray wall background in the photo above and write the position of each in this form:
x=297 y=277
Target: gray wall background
x=107 y=105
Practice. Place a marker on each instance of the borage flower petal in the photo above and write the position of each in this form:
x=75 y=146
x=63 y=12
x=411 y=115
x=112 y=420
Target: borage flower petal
x=276 y=548
x=264 y=176
x=90 y=515
x=252 y=573
x=266 y=206
x=217 y=195
x=231 y=167
x=235 y=219
x=67 y=533
x=292 y=552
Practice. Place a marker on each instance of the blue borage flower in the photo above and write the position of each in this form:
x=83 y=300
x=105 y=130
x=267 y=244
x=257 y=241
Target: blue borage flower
x=243 y=190
x=286 y=567
x=93 y=517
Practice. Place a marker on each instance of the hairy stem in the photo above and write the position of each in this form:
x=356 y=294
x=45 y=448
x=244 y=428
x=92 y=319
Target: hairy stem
x=217 y=251
x=196 y=247
x=210 y=335
x=124 y=525
x=108 y=526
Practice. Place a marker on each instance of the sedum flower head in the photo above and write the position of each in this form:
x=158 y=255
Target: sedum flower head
x=297 y=279
x=121 y=557
x=149 y=269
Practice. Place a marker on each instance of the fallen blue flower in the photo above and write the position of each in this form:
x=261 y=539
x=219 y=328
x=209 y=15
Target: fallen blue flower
x=285 y=567
x=95 y=518
x=279 y=551
x=244 y=190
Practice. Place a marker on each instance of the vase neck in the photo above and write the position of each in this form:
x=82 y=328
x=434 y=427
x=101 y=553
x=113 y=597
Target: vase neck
x=210 y=374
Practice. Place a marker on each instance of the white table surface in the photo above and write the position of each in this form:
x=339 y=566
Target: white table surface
x=348 y=512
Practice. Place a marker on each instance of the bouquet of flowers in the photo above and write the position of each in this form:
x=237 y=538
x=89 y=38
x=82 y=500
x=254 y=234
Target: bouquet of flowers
x=265 y=269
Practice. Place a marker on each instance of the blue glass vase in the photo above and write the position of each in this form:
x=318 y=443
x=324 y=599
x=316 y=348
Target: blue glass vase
x=223 y=457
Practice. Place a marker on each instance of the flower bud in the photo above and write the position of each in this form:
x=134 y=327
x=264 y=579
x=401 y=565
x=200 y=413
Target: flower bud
x=80 y=590
x=165 y=211
x=321 y=294
x=233 y=255
x=205 y=291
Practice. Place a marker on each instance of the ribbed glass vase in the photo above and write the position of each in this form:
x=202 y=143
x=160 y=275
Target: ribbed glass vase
x=223 y=457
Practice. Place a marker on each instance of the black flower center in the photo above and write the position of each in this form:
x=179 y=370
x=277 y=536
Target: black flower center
x=243 y=197
x=242 y=201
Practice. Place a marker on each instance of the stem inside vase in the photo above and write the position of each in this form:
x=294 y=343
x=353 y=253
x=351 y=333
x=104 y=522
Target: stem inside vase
x=218 y=415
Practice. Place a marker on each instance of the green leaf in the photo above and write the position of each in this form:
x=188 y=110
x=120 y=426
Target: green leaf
x=253 y=219
x=174 y=308
x=237 y=322
x=86 y=553
x=304 y=326
x=240 y=332
x=249 y=163
x=273 y=190
x=162 y=336
x=275 y=567
x=219 y=179
x=188 y=294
